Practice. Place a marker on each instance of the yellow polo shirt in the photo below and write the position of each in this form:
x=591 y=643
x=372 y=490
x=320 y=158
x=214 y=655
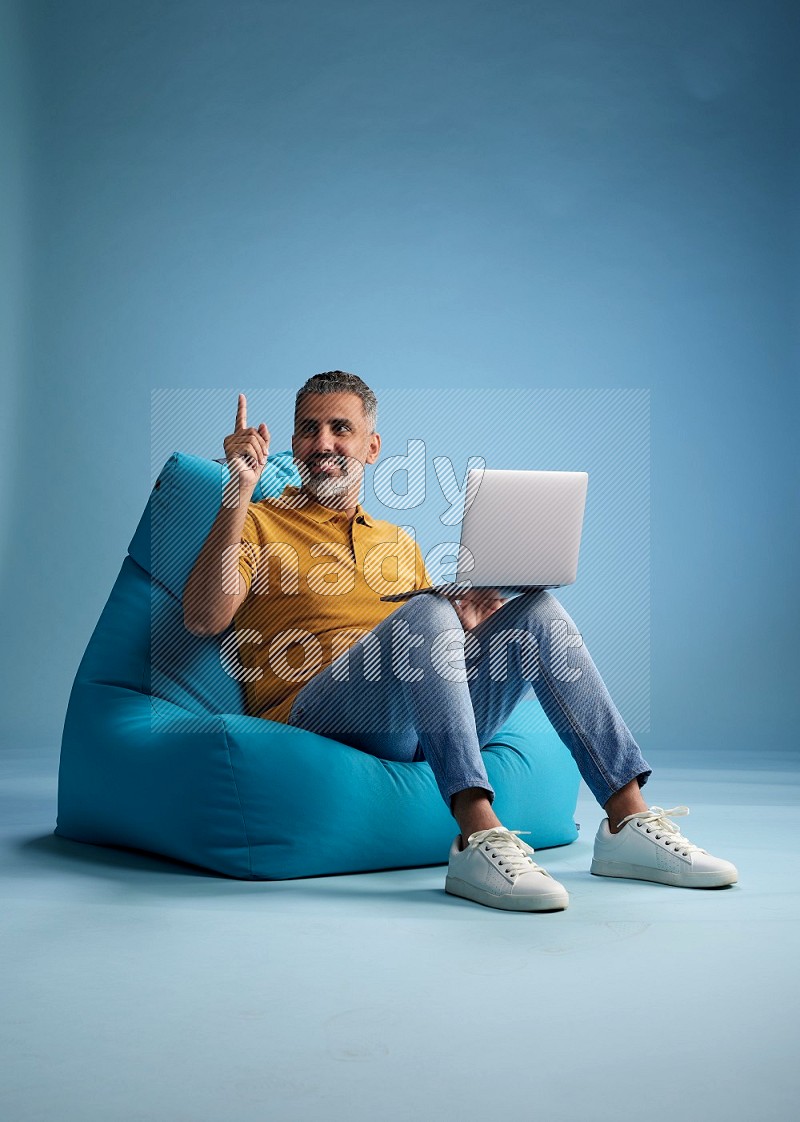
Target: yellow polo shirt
x=314 y=584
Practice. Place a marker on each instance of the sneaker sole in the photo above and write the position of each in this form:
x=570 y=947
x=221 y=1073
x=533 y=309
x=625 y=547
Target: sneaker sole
x=550 y=902
x=662 y=876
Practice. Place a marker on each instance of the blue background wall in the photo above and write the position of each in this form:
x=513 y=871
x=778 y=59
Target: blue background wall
x=517 y=197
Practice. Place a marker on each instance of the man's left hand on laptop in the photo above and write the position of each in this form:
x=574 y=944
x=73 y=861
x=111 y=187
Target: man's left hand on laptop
x=478 y=604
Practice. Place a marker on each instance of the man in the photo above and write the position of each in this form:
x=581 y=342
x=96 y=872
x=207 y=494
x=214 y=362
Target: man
x=302 y=578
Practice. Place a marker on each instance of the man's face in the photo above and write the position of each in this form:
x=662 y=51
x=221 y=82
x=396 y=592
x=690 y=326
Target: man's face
x=331 y=445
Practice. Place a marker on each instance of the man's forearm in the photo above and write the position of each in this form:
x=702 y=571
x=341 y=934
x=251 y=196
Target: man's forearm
x=209 y=601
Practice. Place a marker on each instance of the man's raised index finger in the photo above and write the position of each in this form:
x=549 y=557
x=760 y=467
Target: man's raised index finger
x=241 y=413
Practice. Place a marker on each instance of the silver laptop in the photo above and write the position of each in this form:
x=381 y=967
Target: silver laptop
x=521 y=530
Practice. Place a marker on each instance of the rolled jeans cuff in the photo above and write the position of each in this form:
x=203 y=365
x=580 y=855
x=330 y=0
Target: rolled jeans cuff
x=465 y=786
x=604 y=794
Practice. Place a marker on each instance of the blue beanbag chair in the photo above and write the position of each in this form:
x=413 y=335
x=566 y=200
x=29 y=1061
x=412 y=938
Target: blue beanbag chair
x=158 y=753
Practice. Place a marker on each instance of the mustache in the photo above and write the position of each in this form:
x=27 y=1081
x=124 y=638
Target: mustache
x=338 y=461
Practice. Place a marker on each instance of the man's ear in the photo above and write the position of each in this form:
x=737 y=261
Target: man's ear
x=374 y=448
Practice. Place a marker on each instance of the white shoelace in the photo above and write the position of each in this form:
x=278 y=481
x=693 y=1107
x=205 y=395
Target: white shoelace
x=512 y=853
x=658 y=822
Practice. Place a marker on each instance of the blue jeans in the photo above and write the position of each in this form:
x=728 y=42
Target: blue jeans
x=419 y=687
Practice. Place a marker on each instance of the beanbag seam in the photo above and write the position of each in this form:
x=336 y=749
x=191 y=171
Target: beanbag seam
x=239 y=798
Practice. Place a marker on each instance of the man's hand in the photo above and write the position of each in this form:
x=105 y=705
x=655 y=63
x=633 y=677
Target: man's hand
x=246 y=450
x=477 y=605
x=208 y=604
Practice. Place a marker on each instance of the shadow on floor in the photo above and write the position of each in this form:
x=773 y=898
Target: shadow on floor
x=156 y=875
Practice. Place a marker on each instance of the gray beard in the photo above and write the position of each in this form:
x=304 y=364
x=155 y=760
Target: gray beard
x=333 y=490
x=324 y=489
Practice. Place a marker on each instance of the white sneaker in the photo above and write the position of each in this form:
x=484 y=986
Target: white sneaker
x=650 y=847
x=497 y=869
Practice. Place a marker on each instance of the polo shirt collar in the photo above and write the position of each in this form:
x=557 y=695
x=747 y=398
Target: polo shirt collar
x=322 y=513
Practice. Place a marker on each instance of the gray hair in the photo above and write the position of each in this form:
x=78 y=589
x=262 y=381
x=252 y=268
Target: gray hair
x=339 y=381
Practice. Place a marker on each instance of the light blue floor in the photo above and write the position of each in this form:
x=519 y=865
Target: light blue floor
x=135 y=989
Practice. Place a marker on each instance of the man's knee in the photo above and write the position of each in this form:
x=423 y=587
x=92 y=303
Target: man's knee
x=536 y=610
x=429 y=612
